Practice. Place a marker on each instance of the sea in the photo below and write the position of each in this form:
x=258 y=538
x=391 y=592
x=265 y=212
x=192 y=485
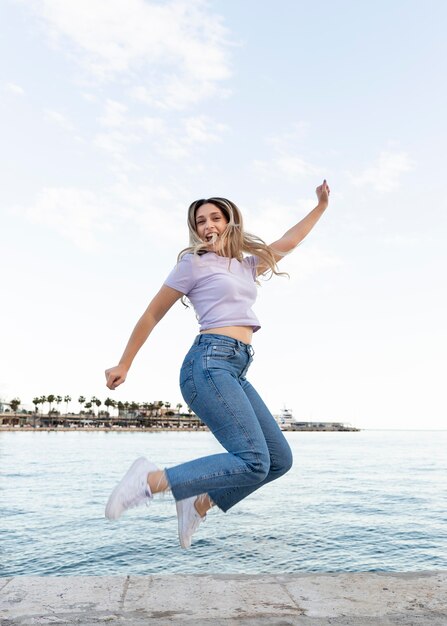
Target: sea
x=353 y=501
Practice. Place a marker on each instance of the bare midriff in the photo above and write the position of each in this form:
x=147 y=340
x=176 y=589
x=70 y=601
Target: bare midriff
x=241 y=333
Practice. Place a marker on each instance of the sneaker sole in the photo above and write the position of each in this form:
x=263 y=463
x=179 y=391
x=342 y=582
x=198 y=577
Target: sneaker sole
x=180 y=506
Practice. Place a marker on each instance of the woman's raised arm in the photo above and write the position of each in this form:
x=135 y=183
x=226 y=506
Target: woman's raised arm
x=296 y=234
x=156 y=310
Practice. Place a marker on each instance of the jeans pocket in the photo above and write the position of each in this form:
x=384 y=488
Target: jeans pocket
x=187 y=385
x=221 y=351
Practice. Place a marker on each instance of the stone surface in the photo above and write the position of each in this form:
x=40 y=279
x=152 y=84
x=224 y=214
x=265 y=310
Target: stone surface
x=359 y=599
x=47 y=596
x=209 y=596
x=377 y=595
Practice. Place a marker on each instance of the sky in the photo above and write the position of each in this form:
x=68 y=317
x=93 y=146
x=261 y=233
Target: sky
x=116 y=115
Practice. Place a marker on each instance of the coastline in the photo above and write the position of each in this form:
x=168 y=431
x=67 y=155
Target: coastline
x=178 y=423
x=116 y=429
x=136 y=429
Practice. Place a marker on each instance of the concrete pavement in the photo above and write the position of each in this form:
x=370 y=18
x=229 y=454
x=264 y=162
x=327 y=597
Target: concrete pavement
x=348 y=599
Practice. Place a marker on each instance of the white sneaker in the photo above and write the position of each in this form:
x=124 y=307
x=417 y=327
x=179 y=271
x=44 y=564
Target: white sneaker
x=188 y=520
x=132 y=490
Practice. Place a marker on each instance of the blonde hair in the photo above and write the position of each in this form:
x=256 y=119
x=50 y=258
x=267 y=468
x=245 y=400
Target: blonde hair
x=234 y=241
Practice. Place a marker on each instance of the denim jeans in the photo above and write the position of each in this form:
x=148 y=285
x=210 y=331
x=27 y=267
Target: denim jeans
x=213 y=384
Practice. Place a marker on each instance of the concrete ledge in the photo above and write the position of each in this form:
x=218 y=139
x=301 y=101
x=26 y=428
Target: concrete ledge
x=360 y=599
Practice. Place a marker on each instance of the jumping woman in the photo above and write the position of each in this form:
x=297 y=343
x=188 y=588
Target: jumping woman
x=220 y=282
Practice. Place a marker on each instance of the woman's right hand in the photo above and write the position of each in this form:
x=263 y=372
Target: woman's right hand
x=323 y=192
x=115 y=376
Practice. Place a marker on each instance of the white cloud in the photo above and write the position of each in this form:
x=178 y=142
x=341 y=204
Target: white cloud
x=85 y=217
x=288 y=166
x=310 y=259
x=176 y=93
x=284 y=141
x=160 y=212
x=76 y=214
x=14 y=89
x=403 y=240
x=202 y=129
x=178 y=47
x=90 y=97
x=59 y=119
x=173 y=139
x=296 y=166
x=117 y=144
x=114 y=114
x=152 y=125
x=287 y=161
x=384 y=175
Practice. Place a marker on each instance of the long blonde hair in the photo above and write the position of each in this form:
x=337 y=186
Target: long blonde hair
x=234 y=241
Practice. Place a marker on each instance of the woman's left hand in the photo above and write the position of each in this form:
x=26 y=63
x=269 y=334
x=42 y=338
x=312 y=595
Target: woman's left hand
x=323 y=192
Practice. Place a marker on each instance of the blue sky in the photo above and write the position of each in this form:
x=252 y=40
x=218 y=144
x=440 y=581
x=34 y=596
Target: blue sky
x=116 y=115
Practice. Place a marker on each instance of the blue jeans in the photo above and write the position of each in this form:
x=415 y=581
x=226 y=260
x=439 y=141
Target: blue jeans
x=213 y=384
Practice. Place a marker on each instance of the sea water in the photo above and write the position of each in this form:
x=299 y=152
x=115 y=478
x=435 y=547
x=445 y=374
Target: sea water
x=366 y=501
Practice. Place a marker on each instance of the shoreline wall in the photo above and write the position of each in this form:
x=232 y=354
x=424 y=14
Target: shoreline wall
x=347 y=599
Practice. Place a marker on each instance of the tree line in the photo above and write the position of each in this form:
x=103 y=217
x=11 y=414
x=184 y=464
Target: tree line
x=89 y=405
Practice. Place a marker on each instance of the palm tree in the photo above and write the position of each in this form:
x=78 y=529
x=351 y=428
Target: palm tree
x=36 y=401
x=58 y=401
x=43 y=399
x=151 y=407
x=179 y=406
x=109 y=403
x=94 y=400
x=67 y=399
x=82 y=400
x=14 y=404
x=50 y=399
x=146 y=406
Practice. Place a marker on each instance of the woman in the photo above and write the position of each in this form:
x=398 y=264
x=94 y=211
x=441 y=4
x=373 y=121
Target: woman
x=221 y=284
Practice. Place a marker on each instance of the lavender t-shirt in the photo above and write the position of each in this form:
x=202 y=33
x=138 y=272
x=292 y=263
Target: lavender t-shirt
x=221 y=290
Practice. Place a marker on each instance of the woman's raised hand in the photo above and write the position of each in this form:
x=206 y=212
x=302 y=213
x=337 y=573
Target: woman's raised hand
x=115 y=376
x=323 y=192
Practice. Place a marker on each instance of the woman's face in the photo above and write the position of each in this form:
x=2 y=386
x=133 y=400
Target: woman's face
x=210 y=224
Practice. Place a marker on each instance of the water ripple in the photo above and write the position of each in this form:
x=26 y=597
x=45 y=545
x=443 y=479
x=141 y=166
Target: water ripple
x=370 y=501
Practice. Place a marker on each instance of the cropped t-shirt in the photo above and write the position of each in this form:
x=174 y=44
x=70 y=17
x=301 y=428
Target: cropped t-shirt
x=222 y=291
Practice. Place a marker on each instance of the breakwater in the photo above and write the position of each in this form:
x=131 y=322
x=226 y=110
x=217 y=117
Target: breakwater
x=359 y=599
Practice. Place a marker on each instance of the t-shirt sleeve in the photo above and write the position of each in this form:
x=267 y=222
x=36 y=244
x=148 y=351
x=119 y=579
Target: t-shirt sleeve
x=182 y=277
x=253 y=264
